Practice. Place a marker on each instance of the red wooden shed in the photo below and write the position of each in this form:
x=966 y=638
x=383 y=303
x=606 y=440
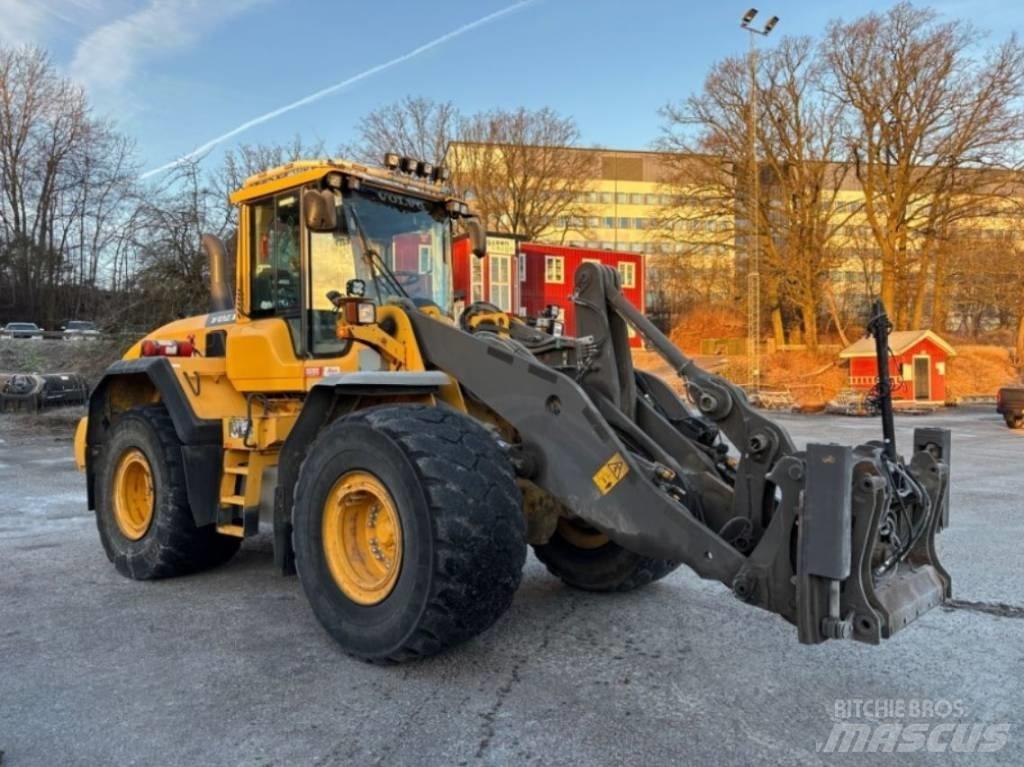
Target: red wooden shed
x=917 y=365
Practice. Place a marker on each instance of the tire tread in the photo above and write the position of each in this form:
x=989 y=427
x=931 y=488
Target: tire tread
x=181 y=547
x=479 y=531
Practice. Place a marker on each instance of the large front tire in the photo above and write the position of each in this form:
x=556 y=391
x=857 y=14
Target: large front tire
x=142 y=511
x=586 y=559
x=409 y=534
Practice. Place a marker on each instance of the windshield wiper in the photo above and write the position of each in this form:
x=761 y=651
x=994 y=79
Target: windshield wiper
x=379 y=268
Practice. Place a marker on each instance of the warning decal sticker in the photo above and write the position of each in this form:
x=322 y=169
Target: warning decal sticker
x=609 y=475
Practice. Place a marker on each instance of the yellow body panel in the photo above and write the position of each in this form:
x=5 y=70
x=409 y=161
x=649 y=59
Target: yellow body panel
x=262 y=357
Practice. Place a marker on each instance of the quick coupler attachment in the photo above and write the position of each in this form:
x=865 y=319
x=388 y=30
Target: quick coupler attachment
x=866 y=562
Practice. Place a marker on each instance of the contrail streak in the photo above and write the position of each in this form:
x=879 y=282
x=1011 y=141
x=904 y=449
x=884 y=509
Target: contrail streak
x=339 y=86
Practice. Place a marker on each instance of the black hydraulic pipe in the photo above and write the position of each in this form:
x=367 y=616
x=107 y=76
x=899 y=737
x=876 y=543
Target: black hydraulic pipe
x=879 y=327
x=662 y=345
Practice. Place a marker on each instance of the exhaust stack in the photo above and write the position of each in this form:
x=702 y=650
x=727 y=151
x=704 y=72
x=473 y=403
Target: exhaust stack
x=221 y=298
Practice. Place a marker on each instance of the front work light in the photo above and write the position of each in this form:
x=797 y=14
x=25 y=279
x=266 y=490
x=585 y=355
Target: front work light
x=360 y=312
x=366 y=313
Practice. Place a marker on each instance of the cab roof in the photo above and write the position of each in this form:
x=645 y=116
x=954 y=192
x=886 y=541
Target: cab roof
x=301 y=172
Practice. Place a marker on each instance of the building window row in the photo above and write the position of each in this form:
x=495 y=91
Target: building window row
x=642 y=198
x=651 y=248
x=856 y=231
x=579 y=223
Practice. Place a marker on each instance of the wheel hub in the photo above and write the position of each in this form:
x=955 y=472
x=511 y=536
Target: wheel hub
x=133 y=494
x=362 y=538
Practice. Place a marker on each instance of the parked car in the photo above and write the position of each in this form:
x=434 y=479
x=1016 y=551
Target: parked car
x=79 y=329
x=1010 y=404
x=22 y=330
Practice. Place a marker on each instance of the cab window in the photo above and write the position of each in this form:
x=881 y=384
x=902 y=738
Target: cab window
x=332 y=266
x=276 y=276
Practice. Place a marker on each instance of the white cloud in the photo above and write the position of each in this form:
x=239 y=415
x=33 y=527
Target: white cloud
x=111 y=54
x=34 y=22
x=22 y=22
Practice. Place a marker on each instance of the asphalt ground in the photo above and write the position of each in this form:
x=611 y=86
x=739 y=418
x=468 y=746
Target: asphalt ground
x=230 y=667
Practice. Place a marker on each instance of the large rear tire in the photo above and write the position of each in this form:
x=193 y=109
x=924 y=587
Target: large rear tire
x=142 y=511
x=586 y=559
x=409 y=534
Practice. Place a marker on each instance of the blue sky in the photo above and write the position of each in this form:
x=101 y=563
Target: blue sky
x=177 y=73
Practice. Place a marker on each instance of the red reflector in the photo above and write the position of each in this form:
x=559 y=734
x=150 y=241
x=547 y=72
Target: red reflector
x=167 y=348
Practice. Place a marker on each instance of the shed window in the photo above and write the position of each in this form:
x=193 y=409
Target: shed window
x=627 y=271
x=554 y=269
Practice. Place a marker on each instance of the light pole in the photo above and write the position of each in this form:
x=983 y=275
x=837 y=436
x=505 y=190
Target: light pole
x=754 y=245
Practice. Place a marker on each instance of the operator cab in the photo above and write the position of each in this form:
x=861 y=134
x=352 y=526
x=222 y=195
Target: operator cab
x=315 y=229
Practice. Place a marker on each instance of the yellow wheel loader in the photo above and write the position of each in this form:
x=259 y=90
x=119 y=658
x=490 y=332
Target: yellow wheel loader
x=405 y=458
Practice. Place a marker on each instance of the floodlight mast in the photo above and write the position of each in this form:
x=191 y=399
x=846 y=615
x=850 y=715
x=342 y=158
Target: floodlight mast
x=754 y=245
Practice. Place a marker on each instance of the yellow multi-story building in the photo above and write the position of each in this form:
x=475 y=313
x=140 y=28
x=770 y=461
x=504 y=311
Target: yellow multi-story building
x=622 y=205
x=643 y=202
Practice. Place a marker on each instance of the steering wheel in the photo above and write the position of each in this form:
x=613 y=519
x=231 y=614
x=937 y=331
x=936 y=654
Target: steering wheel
x=475 y=308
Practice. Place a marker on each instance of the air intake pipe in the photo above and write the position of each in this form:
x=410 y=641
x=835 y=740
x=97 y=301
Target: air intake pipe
x=221 y=298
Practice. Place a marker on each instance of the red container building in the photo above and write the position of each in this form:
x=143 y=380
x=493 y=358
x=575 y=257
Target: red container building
x=526 y=277
x=494 y=279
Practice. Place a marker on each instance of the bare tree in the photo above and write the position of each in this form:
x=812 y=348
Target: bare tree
x=170 y=276
x=524 y=170
x=923 y=117
x=415 y=127
x=66 y=178
x=798 y=209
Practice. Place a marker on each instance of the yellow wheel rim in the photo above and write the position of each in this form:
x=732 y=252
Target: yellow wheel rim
x=133 y=494
x=580 y=534
x=362 y=535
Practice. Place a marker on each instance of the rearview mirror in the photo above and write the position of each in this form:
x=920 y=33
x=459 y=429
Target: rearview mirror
x=319 y=210
x=477 y=235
